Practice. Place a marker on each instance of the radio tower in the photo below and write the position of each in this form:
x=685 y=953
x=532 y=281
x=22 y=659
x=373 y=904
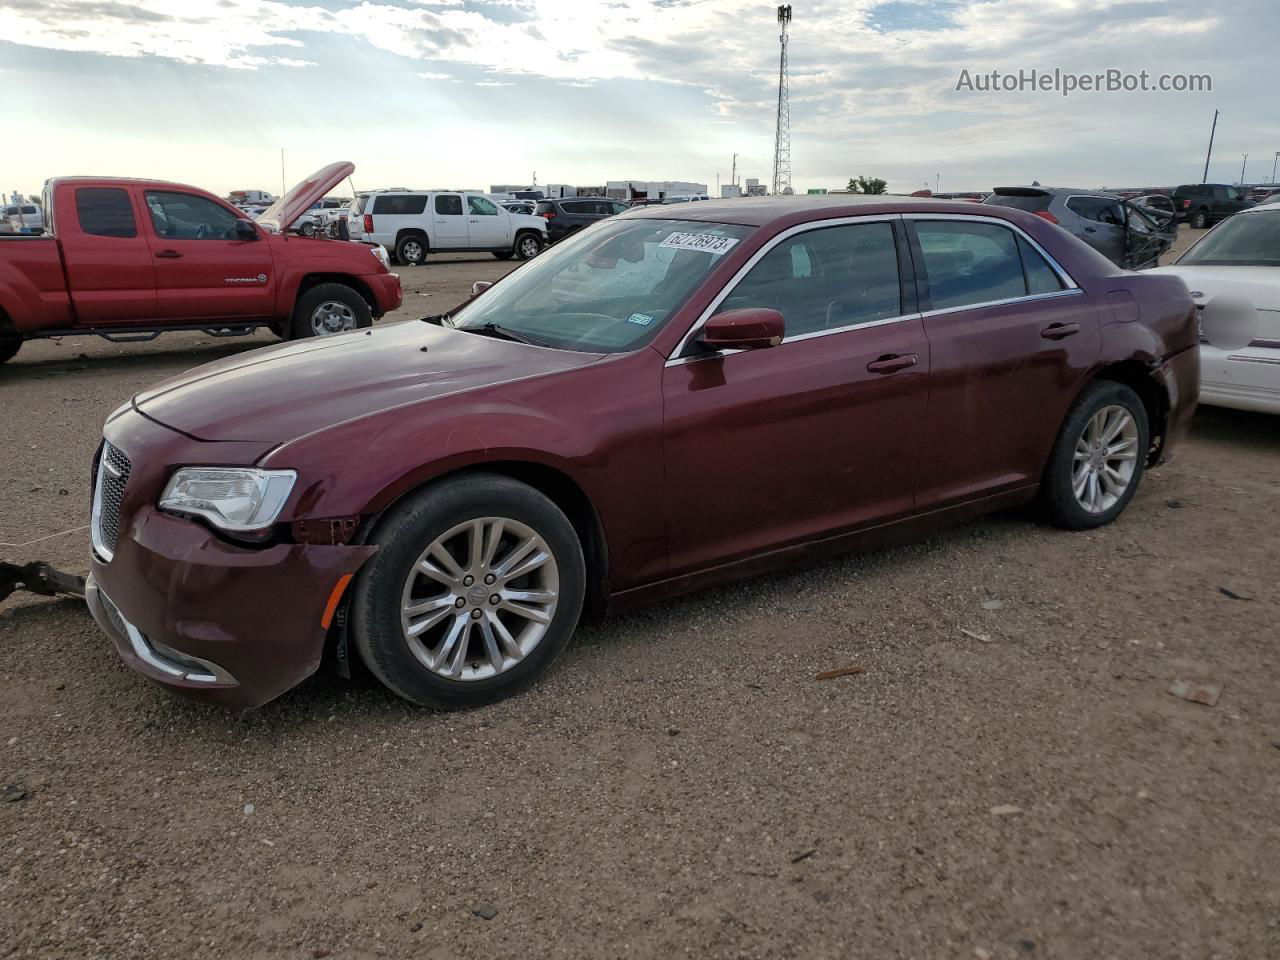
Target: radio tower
x=782 y=138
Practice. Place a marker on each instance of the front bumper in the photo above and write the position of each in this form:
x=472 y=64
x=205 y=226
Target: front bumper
x=386 y=291
x=212 y=621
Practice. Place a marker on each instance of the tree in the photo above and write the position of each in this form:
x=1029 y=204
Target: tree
x=867 y=185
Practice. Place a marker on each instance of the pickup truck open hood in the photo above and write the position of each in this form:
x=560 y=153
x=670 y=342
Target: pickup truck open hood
x=285 y=392
x=284 y=213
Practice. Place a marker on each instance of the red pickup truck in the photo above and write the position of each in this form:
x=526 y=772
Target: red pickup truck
x=131 y=259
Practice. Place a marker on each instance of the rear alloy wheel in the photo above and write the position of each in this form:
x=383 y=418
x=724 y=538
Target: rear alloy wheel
x=412 y=251
x=476 y=588
x=1098 y=458
x=1200 y=219
x=528 y=246
x=327 y=309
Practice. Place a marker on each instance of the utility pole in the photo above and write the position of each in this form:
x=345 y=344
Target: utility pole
x=733 y=177
x=937 y=182
x=1243 y=163
x=782 y=134
x=1212 y=131
x=1273 y=168
x=284 y=186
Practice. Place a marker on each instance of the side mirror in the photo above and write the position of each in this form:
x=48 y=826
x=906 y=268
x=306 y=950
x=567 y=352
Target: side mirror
x=749 y=328
x=245 y=230
x=1229 y=323
x=480 y=286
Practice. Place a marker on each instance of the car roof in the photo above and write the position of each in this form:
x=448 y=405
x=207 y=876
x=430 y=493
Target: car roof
x=1056 y=192
x=121 y=181
x=759 y=211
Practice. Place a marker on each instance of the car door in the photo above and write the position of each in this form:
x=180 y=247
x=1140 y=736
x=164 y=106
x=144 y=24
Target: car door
x=449 y=229
x=488 y=228
x=818 y=434
x=1011 y=338
x=110 y=271
x=204 y=269
x=1103 y=227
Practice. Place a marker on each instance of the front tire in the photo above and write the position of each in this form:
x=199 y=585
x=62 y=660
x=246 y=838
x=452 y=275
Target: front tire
x=476 y=588
x=327 y=309
x=528 y=246
x=10 y=344
x=1098 y=459
x=412 y=250
x=1200 y=219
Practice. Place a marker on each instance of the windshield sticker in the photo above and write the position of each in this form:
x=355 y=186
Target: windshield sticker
x=716 y=246
x=643 y=319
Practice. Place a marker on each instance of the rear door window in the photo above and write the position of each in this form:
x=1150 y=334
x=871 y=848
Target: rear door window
x=400 y=204
x=969 y=263
x=1041 y=278
x=449 y=205
x=105 y=212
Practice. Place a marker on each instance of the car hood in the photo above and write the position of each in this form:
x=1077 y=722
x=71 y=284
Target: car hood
x=285 y=392
x=1260 y=285
x=282 y=214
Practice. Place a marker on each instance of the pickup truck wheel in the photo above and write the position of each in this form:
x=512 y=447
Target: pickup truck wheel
x=1200 y=219
x=9 y=346
x=307 y=230
x=528 y=246
x=504 y=254
x=329 y=308
x=476 y=588
x=1098 y=459
x=412 y=250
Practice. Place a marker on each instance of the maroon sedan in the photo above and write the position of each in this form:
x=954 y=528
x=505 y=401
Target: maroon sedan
x=672 y=398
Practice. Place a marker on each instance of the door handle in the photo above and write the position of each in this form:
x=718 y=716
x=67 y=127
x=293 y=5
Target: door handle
x=891 y=363
x=168 y=255
x=473 y=221
x=1060 y=331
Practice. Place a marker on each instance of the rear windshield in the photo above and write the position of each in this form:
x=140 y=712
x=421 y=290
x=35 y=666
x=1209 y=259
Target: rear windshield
x=1032 y=203
x=544 y=206
x=1245 y=240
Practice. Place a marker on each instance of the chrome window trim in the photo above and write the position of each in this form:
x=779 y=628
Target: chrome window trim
x=1053 y=295
x=95 y=514
x=675 y=357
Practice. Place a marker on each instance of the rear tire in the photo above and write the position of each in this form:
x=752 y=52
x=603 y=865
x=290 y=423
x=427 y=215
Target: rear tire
x=327 y=309
x=435 y=637
x=1200 y=219
x=307 y=230
x=1098 y=459
x=411 y=250
x=527 y=246
x=10 y=344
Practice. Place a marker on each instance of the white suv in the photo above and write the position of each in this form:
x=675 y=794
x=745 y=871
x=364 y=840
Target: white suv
x=413 y=223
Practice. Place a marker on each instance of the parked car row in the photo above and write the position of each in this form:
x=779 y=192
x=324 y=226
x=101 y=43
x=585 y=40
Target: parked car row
x=22 y=218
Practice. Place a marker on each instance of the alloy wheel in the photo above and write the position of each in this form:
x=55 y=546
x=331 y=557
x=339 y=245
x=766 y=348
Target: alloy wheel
x=529 y=248
x=480 y=598
x=412 y=252
x=332 y=316
x=1105 y=459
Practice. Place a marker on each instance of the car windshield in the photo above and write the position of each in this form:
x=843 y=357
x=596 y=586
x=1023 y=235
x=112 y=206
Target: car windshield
x=608 y=289
x=1245 y=240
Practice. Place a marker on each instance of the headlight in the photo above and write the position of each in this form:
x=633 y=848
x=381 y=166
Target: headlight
x=236 y=499
x=379 y=251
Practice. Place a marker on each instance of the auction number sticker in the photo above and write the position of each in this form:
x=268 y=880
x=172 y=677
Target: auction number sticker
x=706 y=242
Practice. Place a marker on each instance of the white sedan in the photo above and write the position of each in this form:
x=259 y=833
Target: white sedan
x=1237 y=265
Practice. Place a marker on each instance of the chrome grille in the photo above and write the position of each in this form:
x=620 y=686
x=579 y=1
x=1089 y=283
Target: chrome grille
x=112 y=476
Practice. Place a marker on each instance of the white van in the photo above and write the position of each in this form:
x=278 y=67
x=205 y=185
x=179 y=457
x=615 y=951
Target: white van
x=413 y=223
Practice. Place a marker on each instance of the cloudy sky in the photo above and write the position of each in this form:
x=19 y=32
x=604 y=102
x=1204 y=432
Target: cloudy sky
x=475 y=92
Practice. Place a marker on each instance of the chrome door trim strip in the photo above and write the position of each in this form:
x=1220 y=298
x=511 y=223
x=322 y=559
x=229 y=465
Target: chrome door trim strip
x=1000 y=303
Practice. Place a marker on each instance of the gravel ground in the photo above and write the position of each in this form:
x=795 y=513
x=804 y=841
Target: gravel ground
x=1008 y=778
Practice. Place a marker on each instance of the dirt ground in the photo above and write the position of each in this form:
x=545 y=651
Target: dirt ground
x=1009 y=777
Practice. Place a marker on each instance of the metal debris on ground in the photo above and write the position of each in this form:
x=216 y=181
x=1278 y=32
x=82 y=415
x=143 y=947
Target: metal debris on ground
x=14 y=792
x=1231 y=594
x=485 y=912
x=804 y=856
x=1196 y=692
x=38 y=578
x=975 y=636
x=841 y=672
